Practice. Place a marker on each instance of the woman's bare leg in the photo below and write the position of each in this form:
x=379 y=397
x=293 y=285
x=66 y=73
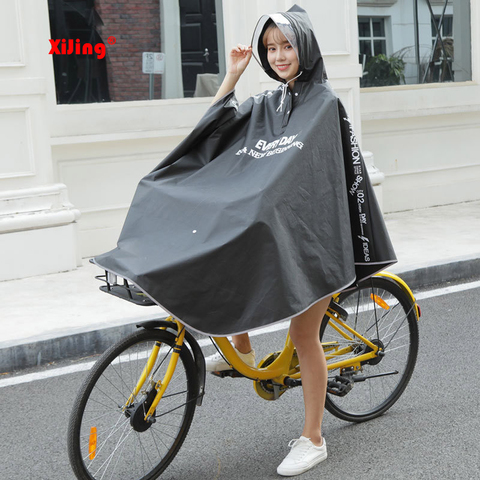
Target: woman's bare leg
x=242 y=343
x=305 y=334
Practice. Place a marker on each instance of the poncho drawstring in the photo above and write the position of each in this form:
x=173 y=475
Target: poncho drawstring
x=284 y=87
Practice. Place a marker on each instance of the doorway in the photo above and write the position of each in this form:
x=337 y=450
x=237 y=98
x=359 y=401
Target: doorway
x=198 y=31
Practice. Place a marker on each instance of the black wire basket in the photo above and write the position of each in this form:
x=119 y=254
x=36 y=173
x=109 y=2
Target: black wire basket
x=119 y=287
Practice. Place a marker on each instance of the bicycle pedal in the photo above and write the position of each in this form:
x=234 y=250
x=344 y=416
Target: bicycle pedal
x=340 y=386
x=227 y=373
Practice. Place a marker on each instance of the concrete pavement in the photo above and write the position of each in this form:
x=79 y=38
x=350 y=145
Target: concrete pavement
x=51 y=317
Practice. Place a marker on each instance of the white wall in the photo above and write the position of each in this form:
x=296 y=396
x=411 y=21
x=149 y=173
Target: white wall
x=24 y=83
x=38 y=224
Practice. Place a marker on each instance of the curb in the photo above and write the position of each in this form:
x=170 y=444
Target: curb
x=441 y=273
x=84 y=344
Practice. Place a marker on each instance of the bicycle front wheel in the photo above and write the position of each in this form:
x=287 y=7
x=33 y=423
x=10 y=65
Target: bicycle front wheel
x=107 y=435
x=382 y=312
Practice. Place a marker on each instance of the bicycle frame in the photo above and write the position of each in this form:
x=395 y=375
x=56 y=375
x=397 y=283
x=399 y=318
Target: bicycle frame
x=279 y=369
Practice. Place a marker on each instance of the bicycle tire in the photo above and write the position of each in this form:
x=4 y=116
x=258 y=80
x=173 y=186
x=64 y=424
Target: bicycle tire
x=393 y=326
x=122 y=451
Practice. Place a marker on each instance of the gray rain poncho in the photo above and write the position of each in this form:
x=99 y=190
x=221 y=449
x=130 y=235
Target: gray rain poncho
x=265 y=208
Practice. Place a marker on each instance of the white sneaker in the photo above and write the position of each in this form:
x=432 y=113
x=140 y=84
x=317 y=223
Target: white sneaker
x=302 y=457
x=216 y=363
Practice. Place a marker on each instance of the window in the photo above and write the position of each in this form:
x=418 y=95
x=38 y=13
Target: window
x=445 y=28
x=399 y=44
x=98 y=55
x=373 y=52
x=371 y=32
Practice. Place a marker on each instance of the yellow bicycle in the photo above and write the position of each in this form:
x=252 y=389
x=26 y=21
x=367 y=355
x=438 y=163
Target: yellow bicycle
x=135 y=408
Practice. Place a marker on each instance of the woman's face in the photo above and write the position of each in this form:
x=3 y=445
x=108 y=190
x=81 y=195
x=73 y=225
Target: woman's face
x=280 y=54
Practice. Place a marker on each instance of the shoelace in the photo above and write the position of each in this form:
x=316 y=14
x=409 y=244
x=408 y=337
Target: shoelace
x=302 y=445
x=284 y=87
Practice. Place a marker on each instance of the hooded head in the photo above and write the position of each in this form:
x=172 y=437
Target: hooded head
x=297 y=29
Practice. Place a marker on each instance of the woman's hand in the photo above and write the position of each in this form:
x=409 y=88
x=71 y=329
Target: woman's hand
x=237 y=63
x=239 y=58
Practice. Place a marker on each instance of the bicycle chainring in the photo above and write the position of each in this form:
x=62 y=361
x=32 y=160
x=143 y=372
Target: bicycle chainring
x=265 y=388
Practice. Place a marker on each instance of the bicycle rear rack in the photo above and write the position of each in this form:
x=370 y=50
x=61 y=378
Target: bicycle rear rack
x=125 y=290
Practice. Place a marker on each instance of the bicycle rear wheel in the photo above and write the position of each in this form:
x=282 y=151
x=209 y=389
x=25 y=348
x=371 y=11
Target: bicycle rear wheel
x=108 y=439
x=382 y=312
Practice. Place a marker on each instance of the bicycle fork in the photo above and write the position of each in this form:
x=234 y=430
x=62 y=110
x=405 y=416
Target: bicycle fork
x=162 y=384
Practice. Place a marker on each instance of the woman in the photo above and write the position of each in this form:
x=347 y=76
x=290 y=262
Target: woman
x=261 y=214
x=310 y=448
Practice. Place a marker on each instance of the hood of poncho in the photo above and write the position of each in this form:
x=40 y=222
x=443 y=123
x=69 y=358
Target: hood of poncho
x=297 y=29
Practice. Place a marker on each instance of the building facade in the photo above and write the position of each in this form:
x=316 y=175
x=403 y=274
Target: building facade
x=78 y=133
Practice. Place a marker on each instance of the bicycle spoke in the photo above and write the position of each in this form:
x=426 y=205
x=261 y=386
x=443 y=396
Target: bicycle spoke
x=379 y=311
x=113 y=430
x=106 y=463
x=119 y=456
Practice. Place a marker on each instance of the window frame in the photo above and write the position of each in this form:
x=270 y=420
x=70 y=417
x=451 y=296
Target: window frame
x=372 y=38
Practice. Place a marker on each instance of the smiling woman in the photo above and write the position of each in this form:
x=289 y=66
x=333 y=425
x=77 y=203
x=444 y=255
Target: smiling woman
x=280 y=54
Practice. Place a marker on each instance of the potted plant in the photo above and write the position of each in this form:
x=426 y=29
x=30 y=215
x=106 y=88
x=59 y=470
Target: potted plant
x=381 y=71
